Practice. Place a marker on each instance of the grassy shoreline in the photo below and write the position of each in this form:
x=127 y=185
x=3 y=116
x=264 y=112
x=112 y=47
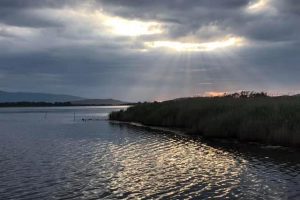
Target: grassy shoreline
x=157 y=128
x=268 y=120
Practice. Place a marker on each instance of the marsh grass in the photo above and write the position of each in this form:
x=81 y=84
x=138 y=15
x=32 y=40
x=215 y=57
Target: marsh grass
x=270 y=120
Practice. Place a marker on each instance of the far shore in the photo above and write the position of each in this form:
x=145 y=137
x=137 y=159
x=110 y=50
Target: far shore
x=49 y=104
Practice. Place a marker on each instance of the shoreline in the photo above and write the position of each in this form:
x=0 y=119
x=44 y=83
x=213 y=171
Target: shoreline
x=184 y=133
x=136 y=124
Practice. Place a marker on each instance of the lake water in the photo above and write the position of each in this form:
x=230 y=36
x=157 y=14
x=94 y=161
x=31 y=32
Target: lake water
x=47 y=153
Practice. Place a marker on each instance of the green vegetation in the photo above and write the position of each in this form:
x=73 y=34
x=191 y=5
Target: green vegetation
x=246 y=116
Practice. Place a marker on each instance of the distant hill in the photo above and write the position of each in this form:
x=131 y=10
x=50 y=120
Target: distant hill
x=36 y=97
x=98 y=102
x=44 y=99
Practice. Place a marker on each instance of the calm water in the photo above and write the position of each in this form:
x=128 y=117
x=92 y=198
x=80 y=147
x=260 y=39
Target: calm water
x=46 y=154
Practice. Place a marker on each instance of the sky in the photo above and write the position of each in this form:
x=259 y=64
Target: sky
x=138 y=50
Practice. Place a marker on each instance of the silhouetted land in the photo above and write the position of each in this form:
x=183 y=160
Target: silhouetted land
x=33 y=104
x=251 y=117
x=10 y=97
x=31 y=99
x=55 y=104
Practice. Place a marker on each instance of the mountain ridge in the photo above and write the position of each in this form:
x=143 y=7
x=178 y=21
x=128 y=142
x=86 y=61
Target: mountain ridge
x=36 y=97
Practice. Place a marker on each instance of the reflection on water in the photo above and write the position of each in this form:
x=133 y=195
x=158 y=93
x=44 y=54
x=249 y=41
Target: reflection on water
x=59 y=158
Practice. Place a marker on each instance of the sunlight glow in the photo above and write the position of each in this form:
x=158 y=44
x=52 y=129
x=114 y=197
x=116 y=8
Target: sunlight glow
x=109 y=25
x=131 y=28
x=208 y=46
x=258 y=5
x=214 y=94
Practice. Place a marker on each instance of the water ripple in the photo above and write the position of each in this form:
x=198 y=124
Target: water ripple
x=97 y=160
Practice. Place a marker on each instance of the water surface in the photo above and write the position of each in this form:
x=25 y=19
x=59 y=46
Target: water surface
x=74 y=153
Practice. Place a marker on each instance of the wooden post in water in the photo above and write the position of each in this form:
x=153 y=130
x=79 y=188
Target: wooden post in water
x=74 y=116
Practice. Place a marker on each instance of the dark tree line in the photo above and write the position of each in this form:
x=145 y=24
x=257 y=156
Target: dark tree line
x=33 y=104
x=247 y=94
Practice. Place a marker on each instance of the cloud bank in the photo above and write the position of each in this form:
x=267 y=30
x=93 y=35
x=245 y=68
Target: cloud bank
x=146 y=50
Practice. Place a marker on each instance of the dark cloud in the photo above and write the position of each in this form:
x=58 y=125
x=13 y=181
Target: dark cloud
x=60 y=46
x=21 y=4
x=183 y=17
x=231 y=17
x=23 y=13
x=177 y=4
x=289 y=6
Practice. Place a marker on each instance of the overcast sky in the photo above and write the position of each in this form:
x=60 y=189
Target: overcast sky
x=146 y=50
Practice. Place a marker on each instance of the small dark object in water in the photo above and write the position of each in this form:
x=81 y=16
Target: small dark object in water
x=90 y=119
